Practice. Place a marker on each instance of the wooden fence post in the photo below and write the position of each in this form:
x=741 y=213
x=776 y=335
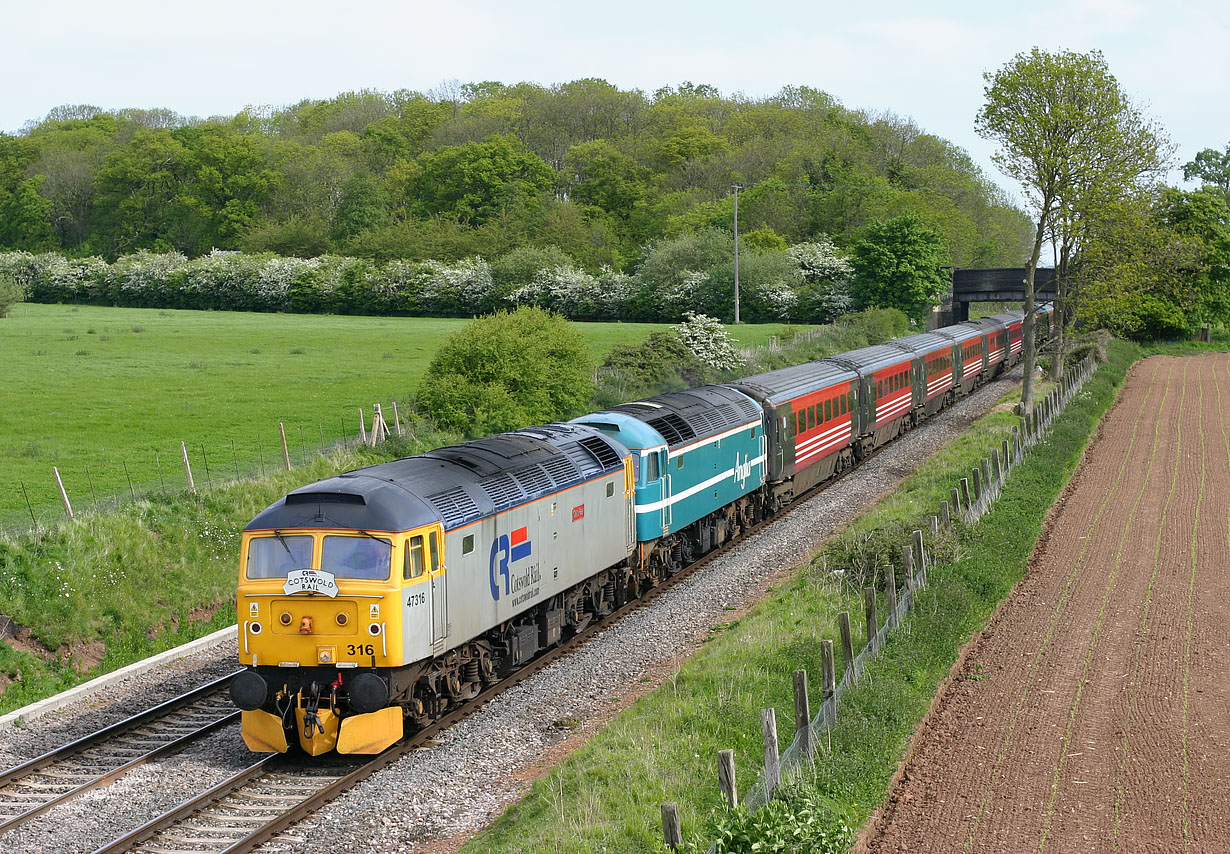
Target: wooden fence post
x=828 y=683
x=935 y=524
x=872 y=618
x=965 y=497
x=977 y=483
x=802 y=713
x=945 y=513
x=907 y=561
x=726 y=777
x=397 y=420
x=671 y=830
x=890 y=588
x=847 y=642
x=362 y=427
x=986 y=474
x=920 y=556
x=68 y=508
x=772 y=760
x=183 y=449
x=285 y=451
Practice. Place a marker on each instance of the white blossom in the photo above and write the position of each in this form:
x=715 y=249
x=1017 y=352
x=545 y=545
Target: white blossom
x=708 y=340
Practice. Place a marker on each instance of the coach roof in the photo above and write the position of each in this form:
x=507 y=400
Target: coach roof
x=780 y=386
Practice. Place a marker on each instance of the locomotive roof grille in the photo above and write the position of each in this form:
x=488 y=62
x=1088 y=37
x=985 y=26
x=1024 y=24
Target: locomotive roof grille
x=533 y=480
x=562 y=471
x=603 y=453
x=503 y=491
x=584 y=459
x=673 y=428
x=455 y=505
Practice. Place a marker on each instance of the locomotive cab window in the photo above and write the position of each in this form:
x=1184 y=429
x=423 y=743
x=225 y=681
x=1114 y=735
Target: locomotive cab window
x=274 y=557
x=415 y=566
x=435 y=552
x=467 y=544
x=357 y=557
x=651 y=468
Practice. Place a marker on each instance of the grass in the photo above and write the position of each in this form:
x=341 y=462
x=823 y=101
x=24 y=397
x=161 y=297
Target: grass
x=92 y=390
x=606 y=795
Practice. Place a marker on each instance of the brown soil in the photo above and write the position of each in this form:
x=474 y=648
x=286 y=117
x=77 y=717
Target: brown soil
x=1093 y=712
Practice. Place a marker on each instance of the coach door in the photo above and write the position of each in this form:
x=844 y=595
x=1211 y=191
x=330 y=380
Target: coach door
x=439 y=590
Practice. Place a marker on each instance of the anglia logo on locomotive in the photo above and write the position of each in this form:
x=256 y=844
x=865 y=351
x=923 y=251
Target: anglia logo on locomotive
x=509 y=549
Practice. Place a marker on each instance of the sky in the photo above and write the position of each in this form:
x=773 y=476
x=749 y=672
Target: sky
x=921 y=60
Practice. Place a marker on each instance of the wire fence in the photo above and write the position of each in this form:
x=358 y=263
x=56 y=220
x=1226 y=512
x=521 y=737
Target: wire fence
x=969 y=501
x=115 y=480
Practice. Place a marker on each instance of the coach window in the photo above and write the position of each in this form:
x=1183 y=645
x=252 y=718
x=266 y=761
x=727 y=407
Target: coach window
x=811 y=417
x=415 y=566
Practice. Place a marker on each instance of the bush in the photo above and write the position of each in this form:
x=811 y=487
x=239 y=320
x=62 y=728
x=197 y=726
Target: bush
x=508 y=370
x=521 y=266
x=795 y=820
x=661 y=363
x=11 y=292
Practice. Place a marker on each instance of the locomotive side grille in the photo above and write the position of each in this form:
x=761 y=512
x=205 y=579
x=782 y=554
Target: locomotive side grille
x=455 y=506
x=562 y=471
x=533 y=480
x=503 y=491
x=603 y=453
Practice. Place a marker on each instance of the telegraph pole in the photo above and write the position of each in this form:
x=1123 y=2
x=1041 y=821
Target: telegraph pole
x=737 y=188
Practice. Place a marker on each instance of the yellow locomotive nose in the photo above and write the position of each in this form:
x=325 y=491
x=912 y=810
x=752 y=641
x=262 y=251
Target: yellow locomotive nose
x=305 y=626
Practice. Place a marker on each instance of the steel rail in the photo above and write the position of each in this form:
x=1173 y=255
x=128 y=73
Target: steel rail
x=44 y=764
x=119 y=728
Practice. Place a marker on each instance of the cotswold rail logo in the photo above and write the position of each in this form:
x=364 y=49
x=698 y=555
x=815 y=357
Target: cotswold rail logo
x=509 y=549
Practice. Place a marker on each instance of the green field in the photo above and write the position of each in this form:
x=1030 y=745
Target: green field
x=91 y=390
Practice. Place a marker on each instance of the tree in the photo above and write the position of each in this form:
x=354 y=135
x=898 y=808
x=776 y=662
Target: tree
x=1213 y=168
x=897 y=264
x=1139 y=277
x=508 y=370
x=475 y=181
x=1071 y=137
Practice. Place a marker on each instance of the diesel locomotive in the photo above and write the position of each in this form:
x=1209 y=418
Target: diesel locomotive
x=380 y=598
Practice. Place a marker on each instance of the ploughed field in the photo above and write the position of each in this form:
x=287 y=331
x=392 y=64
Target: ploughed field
x=1093 y=713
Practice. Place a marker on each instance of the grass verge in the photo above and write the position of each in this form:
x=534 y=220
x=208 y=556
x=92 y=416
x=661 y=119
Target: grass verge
x=606 y=795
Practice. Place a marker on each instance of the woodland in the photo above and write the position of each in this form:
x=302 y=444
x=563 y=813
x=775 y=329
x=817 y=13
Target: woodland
x=481 y=168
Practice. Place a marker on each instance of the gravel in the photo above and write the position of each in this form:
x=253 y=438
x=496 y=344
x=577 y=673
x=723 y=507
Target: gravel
x=474 y=770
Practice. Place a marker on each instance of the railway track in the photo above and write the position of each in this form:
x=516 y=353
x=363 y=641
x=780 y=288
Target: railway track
x=30 y=789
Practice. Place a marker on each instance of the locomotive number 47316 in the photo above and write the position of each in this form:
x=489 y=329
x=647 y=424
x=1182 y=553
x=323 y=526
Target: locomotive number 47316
x=416 y=599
